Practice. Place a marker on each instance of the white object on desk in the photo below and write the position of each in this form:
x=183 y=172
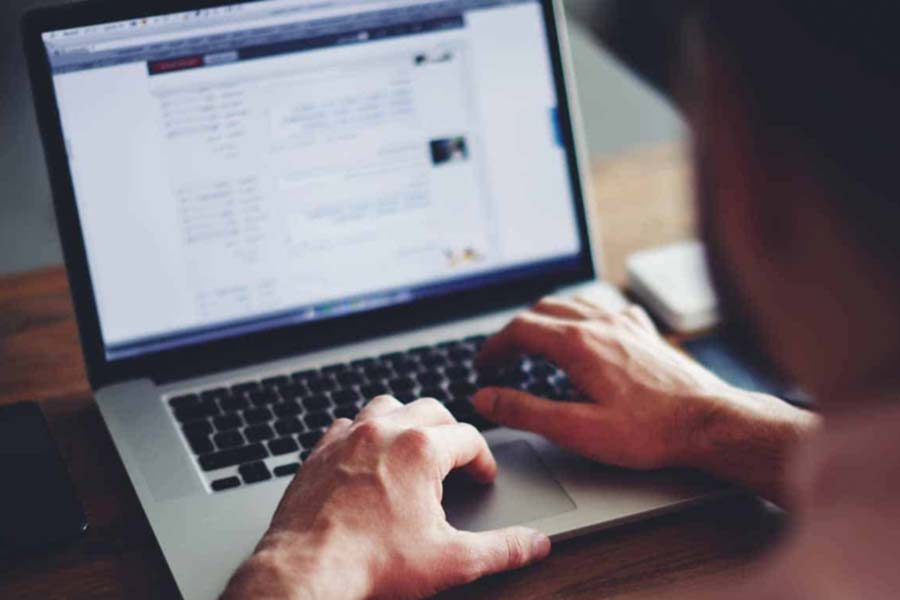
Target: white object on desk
x=674 y=283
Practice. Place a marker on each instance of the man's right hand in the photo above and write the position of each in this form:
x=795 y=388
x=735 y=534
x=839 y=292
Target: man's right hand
x=645 y=404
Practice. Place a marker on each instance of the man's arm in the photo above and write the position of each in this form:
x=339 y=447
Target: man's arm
x=645 y=404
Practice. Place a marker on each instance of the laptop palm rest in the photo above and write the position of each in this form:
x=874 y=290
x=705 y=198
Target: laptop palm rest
x=524 y=491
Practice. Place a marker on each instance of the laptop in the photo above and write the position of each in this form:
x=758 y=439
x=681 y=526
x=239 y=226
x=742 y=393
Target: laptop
x=273 y=211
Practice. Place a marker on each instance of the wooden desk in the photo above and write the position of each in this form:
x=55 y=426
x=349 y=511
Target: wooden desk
x=642 y=200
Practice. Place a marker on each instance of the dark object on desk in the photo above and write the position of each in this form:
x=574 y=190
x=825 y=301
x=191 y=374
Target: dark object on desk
x=38 y=506
x=722 y=358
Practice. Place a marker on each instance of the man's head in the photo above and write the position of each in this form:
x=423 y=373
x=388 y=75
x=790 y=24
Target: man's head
x=794 y=105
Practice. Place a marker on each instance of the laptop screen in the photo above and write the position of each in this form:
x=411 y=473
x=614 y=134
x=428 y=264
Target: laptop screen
x=258 y=165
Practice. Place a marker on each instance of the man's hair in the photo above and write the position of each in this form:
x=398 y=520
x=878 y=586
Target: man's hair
x=824 y=75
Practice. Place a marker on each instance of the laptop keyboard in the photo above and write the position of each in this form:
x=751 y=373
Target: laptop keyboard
x=254 y=431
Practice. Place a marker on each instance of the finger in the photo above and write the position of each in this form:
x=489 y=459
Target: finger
x=499 y=550
x=563 y=309
x=557 y=421
x=422 y=413
x=335 y=432
x=461 y=446
x=379 y=407
x=595 y=310
x=528 y=333
x=640 y=316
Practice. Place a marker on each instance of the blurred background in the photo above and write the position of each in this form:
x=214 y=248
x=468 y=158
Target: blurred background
x=624 y=107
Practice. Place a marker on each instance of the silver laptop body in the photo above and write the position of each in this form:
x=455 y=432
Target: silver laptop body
x=251 y=193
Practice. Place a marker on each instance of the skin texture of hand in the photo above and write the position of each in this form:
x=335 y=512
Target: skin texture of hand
x=363 y=518
x=643 y=403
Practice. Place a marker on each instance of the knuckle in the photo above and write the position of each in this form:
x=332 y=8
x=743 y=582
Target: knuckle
x=516 y=552
x=547 y=303
x=416 y=442
x=434 y=405
x=340 y=423
x=578 y=335
x=370 y=432
x=518 y=323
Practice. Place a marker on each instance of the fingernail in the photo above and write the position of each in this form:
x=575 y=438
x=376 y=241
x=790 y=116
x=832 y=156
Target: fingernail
x=540 y=545
x=484 y=402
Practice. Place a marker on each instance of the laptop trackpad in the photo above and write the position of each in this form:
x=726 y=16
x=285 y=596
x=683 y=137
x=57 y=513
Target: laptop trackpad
x=524 y=491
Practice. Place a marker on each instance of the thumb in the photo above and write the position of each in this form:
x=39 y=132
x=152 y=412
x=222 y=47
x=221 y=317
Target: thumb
x=520 y=410
x=502 y=550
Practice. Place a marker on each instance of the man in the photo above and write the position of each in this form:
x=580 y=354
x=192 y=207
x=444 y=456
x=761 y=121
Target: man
x=793 y=108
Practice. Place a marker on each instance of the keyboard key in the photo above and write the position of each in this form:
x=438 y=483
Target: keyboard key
x=346 y=412
x=288 y=426
x=433 y=360
x=461 y=410
x=225 y=484
x=406 y=397
x=461 y=390
x=345 y=397
x=228 y=439
x=436 y=393
x=216 y=394
x=258 y=433
x=402 y=384
x=309 y=439
x=304 y=456
x=294 y=391
x=200 y=444
x=276 y=382
x=231 y=404
x=254 y=472
x=184 y=401
x=543 y=370
x=372 y=390
x=335 y=369
x=407 y=367
x=263 y=397
x=458 y=374
x=286 y=470
x=205 y=408
x=230 y=458
x=283 y=446
x=228 y=422
x=245 y=388
x=302 y=376
x=541 y=389
x=316 y=402
x=287 y=409
x=461 y=354
x=197 y=428
x=317 y=420
x=362 y=363
x=476 y=340
x=255 y=416
x=449 y=345
x=348 y=378
x=321 y=384
x=419 y=350
x=430 y=378
x=378 y=373
x=393 y=357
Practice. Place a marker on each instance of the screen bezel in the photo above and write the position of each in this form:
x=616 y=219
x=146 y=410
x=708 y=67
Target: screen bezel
x=190 y=361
